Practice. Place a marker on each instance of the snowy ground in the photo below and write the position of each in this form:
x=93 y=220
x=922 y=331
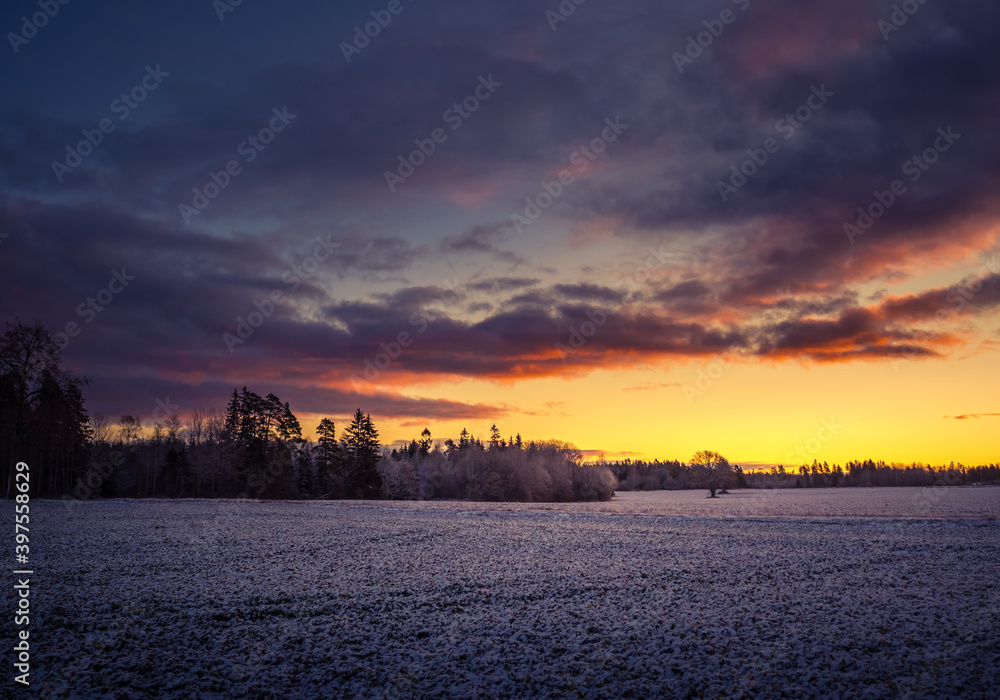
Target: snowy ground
x=851 y=592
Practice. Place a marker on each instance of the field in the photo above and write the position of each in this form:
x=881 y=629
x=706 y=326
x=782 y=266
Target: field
x=835 y=593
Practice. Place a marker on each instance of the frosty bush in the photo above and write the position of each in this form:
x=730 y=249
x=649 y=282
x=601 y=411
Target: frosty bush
x=546 y=471
x=399 y=479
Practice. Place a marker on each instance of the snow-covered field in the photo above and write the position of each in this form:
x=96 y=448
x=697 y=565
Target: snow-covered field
x=841 y=592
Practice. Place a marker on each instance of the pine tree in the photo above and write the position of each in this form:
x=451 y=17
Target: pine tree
x=361 y=443
x=231 y=427
x=329 y=461
x=289 y=429
x=425 y=442
x=305 y=481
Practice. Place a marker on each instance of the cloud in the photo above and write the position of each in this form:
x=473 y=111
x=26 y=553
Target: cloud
x=971 y=296
x=590 y=292
x=501 y=284
x=692 y=289
x=482 y=239
x=967 y=416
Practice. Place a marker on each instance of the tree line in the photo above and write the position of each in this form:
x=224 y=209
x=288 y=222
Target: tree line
x=640 y=475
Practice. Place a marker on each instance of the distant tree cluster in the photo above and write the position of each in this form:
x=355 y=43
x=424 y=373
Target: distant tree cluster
x=639 y=475
x=874 y=473
x=498 y=470
x=706 y=470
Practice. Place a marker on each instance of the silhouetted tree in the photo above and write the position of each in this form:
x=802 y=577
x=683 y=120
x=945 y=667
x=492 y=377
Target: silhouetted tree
x=177 y=476
x=711 y=471
x=361 y=445
x=741 y=478
x=425 y=442
x=305 y=480
x=42 y=416
x=329 y=461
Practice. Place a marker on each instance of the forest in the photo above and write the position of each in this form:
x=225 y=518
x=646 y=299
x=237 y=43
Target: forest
x=254 y=448
x=639 y=475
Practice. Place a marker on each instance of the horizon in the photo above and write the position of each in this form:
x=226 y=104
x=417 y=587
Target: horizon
x=644 y=230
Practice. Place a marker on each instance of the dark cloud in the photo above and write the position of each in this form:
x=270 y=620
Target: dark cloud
x=501 y=284
x=976 y=295
x=482 y=239
x=590 y=292
x=692 y=289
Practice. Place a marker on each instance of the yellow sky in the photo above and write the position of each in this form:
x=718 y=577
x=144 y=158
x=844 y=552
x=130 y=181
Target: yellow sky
x=751 y=412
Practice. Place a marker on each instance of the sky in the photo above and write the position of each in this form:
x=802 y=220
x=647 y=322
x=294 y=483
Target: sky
x=762 y=227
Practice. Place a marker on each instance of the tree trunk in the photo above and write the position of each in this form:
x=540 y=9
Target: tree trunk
x=711 y=490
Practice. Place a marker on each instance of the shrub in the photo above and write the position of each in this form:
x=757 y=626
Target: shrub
x=548 y=471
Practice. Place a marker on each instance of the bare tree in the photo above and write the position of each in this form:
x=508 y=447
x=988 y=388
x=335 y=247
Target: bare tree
x=129 y=429
x=174 y=428
x=711 y=471
x=215 y=426
x=100 y=428
x=100 y=438
x=196 y=440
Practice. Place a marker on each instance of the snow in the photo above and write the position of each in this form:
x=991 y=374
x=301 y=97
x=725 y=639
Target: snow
x=836 y=593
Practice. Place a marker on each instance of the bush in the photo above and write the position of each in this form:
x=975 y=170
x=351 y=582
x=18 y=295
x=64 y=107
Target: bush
x=399 y=479
x=542 y=472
